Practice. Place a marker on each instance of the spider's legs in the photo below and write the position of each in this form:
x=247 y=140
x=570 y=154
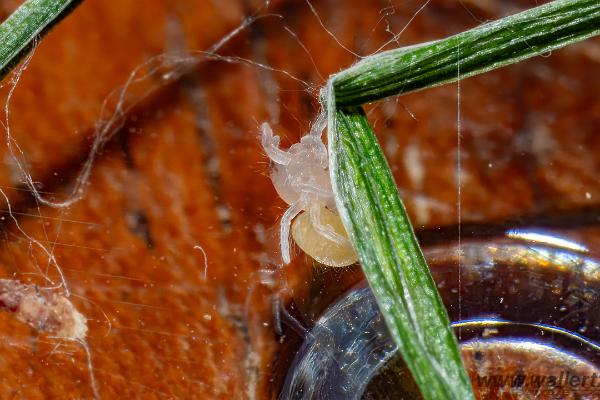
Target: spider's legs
x=319 y=125
x=324 y=230
x=270 y=143
x=284 y=230
x=316 y=190
x=282 y=315
x=325 y=194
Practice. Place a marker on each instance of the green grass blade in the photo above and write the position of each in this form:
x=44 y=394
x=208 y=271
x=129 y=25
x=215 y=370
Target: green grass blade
x=376 y=220
x=489 y=46
x=367 y=197
x=31 y=20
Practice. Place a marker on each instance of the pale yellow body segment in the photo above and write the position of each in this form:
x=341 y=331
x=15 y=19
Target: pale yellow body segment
x=300 y=175
x=319 y=247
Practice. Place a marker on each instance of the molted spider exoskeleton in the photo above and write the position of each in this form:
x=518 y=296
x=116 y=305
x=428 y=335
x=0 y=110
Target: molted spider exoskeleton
x=301 y=178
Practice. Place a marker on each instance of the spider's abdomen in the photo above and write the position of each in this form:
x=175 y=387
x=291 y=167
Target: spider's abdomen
x=322 y=249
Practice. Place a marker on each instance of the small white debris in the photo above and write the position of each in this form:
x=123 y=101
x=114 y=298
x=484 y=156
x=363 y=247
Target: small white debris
x=487 y=332
x=44 y=310
x=414 y=165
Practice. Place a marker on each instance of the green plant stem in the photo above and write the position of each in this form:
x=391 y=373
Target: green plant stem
x=489 y=46
x=30 y=21
x=366 y=195
x=392 y=260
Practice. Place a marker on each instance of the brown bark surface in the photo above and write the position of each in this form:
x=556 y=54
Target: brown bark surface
x=186 y=169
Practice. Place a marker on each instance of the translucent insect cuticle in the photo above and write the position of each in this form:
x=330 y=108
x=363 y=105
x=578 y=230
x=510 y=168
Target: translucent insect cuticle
x=300 y=176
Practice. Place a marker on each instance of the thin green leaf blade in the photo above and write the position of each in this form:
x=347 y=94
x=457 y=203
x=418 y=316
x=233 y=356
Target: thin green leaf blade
x=484 y=48
x=367 y=197
x=31 y=20
x=368 y=202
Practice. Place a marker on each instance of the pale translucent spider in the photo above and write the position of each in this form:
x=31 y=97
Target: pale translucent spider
x=301 y=178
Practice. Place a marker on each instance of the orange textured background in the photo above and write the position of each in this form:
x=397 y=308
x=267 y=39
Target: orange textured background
x=187 y=169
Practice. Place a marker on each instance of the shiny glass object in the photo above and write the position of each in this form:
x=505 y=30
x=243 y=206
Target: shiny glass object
x=523 y=308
